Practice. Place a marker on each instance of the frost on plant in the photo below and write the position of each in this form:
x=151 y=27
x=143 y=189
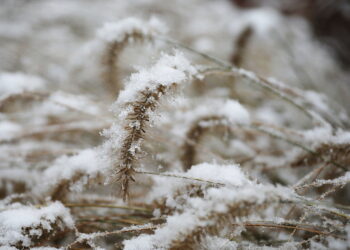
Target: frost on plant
x=140 y=99
x=23 y=226
x=170 y=125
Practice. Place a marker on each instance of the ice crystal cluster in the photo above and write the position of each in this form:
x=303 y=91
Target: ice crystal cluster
x=180 y=124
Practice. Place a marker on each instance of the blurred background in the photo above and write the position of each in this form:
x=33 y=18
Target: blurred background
x=305 y=43
x=329 y=20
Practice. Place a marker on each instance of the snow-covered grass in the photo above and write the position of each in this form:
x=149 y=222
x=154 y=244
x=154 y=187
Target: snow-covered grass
x=22 y=225
x=123 y=124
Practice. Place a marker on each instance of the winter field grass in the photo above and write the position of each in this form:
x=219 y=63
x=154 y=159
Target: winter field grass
x=169 y=125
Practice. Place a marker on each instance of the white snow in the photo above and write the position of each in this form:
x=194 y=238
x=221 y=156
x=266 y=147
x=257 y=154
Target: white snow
x=262 y=20
x=227 y=112
x=168 y=70
x=17 y=175
x=118 y=31
x=17 y=83
x=197 y=210
x=234 y=111
x=318 y=134
x=9 y=130
x=226 y=174
x=341 y=137
x=231 y=111
x=318 y=100
x=215 y=200
x=207 y=172
x=340 y=181
x=13 y=222
x=75 y=102
x=86 y=162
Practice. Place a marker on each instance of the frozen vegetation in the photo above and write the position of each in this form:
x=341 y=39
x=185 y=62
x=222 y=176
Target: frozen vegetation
x=180 y=124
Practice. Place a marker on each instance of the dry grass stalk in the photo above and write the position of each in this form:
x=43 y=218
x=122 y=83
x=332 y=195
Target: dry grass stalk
x=241 y=45
x=193 y=137
x=109 y=60
x=126 y=32
x=136 y=128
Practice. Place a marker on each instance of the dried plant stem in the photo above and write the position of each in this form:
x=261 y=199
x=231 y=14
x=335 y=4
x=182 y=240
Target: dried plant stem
x=318 y=205
x=110 y=58
x=107 y=206
x=180 y=176
x=258 y=127
x=132 y=229
x=25 y=95
x=136 y=129
x=184 y=46
x=115 y=221
x=196 y=131
x=241 y=45
x=287 y=225
x=283 y=92
x=306 y=213
x=193 y=137
x=297 y=144
x=319 y=184
x=46 y=96
x=93 y=127
x=310 y=176
x=218 y=222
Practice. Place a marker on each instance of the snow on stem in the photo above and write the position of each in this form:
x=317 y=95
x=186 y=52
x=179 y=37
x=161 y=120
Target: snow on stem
x=137 y=102
x=115 y=36
x=277 y=88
